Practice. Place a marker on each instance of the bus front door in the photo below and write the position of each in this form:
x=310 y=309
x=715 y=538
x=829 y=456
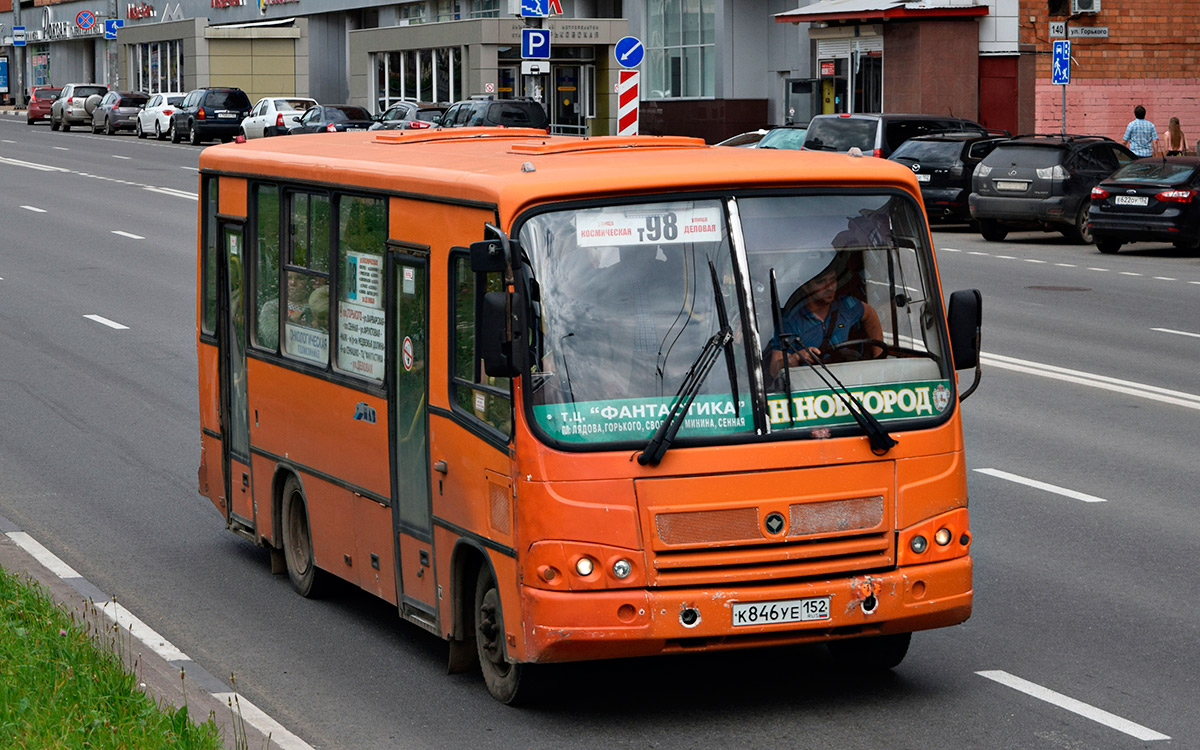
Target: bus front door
x=412 y=509
x=235 y=413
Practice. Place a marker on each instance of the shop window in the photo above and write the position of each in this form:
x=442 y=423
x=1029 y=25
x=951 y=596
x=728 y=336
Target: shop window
x=680 y=49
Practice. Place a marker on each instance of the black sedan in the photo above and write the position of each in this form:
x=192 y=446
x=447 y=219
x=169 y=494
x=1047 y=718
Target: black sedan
x=944 y=164
x=333 y=118
x=1148 y=200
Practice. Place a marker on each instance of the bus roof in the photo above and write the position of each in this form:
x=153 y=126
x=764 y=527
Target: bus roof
x=512 y=167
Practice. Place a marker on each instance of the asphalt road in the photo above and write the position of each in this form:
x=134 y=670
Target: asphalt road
x=1081 y=445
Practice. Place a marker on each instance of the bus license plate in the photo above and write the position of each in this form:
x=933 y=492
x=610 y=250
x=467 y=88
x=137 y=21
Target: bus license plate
x=1131 y=200
x=774 y=613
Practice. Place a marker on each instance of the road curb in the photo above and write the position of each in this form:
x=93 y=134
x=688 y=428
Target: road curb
x=176 y=681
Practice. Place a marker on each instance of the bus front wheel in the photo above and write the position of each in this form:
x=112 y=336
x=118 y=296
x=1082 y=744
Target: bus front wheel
x=505 y=680
x=302 y=570
x=871 y=653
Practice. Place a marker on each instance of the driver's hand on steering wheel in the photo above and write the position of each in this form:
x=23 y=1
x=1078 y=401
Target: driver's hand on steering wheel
x=809 y=354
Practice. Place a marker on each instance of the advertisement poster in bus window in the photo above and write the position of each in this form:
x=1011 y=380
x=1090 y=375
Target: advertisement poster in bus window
x=361 y=321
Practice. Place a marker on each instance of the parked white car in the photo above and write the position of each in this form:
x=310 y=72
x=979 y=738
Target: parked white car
x=155 y=117
x=275 y=115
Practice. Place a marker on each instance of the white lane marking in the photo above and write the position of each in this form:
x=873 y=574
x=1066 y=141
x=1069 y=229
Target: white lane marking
x=257 y=718
x=35 y=209
x=191 y=169
x=173 y=192
x=1131 y=273
x=1033 y=260
x=1066 y=265
x=1042 y=486
x=1177 y=333
x=1097 y=715
x=975 y=252
x=107 y=322
x=1005 y=257
x=1165 y=278
x=1103 y=382
x=127 y=234
x=121 y=157
x=951 y=250
x=129 y=623
x=43 y=555
x=61 y=148
x=32 y=165
x=1101 y=270
x=5 y=140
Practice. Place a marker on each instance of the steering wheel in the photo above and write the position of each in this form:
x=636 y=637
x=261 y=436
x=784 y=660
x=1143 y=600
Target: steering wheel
x=853 y=356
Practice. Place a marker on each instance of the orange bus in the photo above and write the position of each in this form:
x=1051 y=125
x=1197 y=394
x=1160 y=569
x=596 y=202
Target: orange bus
x=563 y=398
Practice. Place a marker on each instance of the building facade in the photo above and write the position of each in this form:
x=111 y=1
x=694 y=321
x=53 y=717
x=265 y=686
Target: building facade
x=711 y=68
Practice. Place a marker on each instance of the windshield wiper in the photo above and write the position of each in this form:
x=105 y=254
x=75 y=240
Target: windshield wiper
x=688 y=390
x=881 y=442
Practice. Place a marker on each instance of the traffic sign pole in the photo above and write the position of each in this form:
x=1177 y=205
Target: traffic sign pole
x=1060 y=73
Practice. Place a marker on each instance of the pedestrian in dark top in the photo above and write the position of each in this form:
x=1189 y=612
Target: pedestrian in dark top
x=1140 y=134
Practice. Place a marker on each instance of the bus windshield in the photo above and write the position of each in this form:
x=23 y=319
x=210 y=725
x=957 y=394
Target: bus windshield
x=830 y=299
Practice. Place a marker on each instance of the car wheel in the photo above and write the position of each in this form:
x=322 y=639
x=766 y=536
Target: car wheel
x=193 y=134
x=1187 y=244
x=108 y=128
x=29 y=120
x=138 y=128
x=871 y=653
x=175 y=136
x=992 y=231
x=1108 y=247
x=1080 y=233
x=66 y=126
x=53 y=123
x=158 y=132
x=95 y=130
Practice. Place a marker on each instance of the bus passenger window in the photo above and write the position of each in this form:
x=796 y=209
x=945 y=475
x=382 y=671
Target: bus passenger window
x=362 y=233
x=306 y=296
x=208 y=323
x=266 y=276
x=487 y=398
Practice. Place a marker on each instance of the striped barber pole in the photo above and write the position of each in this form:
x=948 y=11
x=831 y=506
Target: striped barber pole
x=627 y=102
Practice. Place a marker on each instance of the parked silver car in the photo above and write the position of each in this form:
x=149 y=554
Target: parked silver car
x=70 y=108
x=118 y=110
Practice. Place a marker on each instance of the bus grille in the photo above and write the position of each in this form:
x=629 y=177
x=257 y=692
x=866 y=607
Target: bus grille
x=730 y=544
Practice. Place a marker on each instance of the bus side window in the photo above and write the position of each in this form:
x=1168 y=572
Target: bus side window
x=306 y=294
x=208 y=322
x=266 y=270
x=362 y=234
x=486 y=398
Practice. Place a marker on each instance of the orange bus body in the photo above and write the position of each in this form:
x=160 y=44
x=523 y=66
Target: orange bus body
x=529 y=511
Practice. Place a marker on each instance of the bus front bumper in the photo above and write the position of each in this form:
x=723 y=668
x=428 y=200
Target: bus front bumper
x=572 y=626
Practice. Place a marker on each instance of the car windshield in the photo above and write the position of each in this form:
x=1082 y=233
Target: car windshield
x=630 y=295
x=517 y=114
x=935 y=153
x=227 y=100
x=292 y=105
x=1030 y=157
x=783 y=138
x=841 y=134
x=1161 y=172
x=341 y=114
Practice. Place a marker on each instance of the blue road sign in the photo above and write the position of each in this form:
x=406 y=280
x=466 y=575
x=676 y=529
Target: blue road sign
x=535 y=8
x=1061 y=72
x=110 y=27
x=629 y=52
x=535 y=44
x=18 y=36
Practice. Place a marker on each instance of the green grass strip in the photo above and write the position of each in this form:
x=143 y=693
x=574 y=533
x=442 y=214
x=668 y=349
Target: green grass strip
x=59 y=689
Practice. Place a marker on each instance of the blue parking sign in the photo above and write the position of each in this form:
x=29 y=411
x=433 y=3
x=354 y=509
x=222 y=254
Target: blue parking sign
x=535 y=44
x=1061 y=72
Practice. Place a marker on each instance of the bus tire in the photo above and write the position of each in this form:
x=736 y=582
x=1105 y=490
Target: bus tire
x=306 y=578
x=505 y=680
x=872 y=653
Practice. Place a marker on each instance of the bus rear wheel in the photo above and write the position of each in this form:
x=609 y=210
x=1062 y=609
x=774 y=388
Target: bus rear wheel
x=873 y=653
x=507 y=682
x=306 y=578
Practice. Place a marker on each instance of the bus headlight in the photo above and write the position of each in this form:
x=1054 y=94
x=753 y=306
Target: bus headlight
x=918 y=544
x=584 y=566
x=622 y=568
x=943 y=536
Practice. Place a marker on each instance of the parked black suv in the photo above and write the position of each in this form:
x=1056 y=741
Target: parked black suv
x=943 y=164
x=1043 y=182
x=877 y=135
x=504 y=113
x=208 y=113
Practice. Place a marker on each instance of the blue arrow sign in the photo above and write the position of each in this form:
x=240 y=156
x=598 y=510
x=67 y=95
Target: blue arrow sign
x=535 y=44
x=1060 y=74
x=629 y=52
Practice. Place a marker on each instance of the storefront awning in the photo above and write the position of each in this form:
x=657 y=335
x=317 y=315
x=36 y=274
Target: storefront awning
x=879 y=10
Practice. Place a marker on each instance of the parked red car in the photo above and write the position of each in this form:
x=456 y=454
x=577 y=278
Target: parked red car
x=39 y=103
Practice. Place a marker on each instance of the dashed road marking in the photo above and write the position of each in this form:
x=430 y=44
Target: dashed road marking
x=1042 y=486
x=128 y=234
x=35 y=209
x=107 y=322
x=1177 y=333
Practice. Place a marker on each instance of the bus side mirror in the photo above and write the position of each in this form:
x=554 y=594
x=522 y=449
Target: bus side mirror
x=965 y=318
x=487 y=256
x=494 y=343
